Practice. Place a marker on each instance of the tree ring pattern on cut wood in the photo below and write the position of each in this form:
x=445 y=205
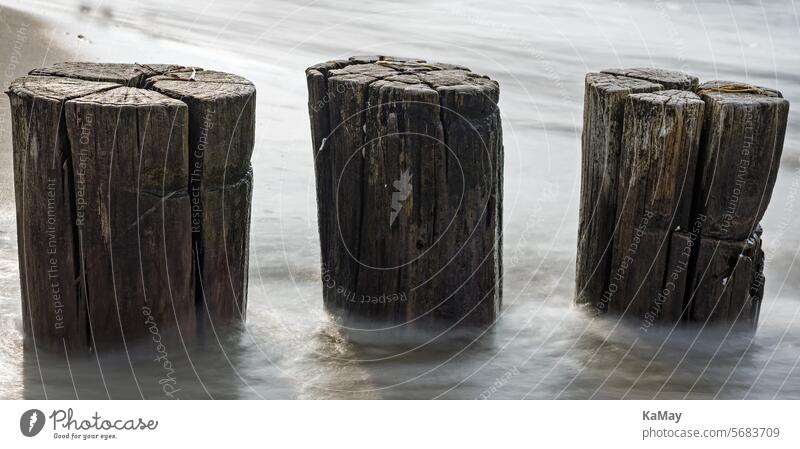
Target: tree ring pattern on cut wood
x=103 y=167
x=670 y=79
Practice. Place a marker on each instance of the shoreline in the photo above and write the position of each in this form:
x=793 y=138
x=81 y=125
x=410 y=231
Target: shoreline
x=25 y=46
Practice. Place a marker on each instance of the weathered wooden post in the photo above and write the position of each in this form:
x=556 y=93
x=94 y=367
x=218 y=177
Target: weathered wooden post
x=661 y=133
x=53 y=314
x=130 y=172
x=409 y=165
x=740 y=153
x=601 y=141
x=221 y=139
x=106 y=220
x=673 y=189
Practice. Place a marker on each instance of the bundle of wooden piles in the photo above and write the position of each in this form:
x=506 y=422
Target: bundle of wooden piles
x=133 y=187
x=409 y=168
x=676 y=177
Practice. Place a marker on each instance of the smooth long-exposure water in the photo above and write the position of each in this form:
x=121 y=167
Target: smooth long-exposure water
x=542 y=347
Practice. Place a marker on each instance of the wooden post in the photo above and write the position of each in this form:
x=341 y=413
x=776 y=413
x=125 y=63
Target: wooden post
x=603 y=114
x=742 y=140
x=677 y=256
x=739 y=156
x=53 y=312
x=409 y=163
x=221 y=140
x=104 y=213
x=130 y=169
x=661 y=133
x=728 y=277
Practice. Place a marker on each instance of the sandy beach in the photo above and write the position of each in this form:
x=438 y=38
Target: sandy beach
x=26 y=44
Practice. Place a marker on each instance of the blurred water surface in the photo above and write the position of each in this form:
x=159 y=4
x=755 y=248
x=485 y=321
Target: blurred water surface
x=542 y=347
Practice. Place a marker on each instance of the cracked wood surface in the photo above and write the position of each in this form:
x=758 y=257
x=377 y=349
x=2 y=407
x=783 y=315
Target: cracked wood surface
x=601 y=144
x=694 y=180
x=221 y=140
x=428 y=251
x=131 y=171
x=661 y=133
x=670 y=79
x=727 y=283
x=740 y=153
x=53 y=313
x=118 y=152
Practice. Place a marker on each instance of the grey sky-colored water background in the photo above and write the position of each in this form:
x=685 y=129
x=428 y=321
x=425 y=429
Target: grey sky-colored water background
x=542 y=347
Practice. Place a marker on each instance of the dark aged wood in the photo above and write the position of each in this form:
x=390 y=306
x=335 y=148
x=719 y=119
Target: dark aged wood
x=53 y=314
x=409 y=159
x=106 y=222
x=661 y=132
x=668 y=305
x=131 y=164
x=221 y=140
x=695 y=178
x=740 y=152
x=601 y=140
x=670 y=79
x=728 y=281
x=132 y=75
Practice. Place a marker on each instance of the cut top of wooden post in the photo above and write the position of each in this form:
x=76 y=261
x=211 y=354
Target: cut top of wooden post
x=734 y=87
x=221 y=105
x=670 y=79
x=222 y=112
x=162 y=166
x=471 y=94
x=740 y=153
x=616 y=84
x=133 y=75
x=55 y=88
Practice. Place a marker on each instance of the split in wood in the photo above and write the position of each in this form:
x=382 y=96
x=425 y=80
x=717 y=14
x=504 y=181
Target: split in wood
x=142 y=215
x=674 y=185
x=408 y=158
